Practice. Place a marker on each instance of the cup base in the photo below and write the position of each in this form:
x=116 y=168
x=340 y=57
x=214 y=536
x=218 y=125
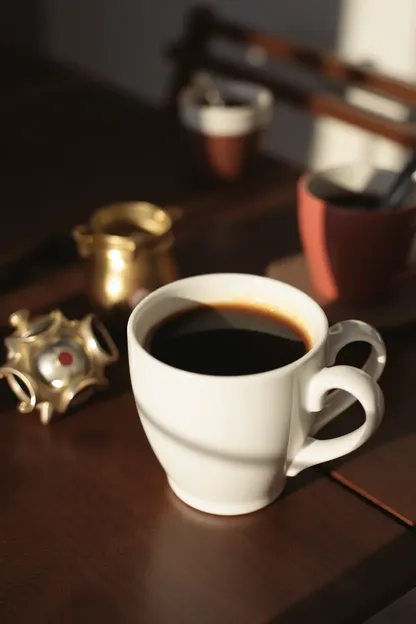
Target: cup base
x=224 y=509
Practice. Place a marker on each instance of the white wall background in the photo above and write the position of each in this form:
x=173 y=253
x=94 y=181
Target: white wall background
x=122 y=41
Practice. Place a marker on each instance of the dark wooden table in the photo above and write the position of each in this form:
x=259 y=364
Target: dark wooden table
x=89 y=530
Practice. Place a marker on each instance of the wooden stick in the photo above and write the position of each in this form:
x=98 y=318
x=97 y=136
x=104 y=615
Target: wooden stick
x=324 y=63
x=314 y=102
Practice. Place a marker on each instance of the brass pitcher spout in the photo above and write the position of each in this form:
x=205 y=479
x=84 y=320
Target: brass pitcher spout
x=84 y=239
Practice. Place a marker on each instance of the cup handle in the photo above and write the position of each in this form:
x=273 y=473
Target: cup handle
x=364 y=389
x=349 y=384
x=339 y=336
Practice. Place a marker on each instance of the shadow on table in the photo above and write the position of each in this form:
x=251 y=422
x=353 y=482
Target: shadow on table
x=89 y=605
x=323 y=606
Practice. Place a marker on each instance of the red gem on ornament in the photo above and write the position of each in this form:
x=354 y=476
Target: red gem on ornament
x=65 y=358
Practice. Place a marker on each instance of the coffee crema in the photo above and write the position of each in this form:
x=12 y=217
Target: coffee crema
x=227 y=339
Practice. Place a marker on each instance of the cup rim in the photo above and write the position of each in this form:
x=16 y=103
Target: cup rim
x=133 y=342
x=260 y=96
x=139 y=213
x=307 y=178
x=230 y=120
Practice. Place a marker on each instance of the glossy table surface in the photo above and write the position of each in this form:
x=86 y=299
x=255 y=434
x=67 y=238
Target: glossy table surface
x=90 y=531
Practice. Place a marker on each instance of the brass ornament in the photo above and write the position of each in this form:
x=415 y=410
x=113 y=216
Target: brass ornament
x=54 y=363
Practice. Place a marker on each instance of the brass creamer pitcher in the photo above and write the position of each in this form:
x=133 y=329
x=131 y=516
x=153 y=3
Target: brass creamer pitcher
x=128 y=247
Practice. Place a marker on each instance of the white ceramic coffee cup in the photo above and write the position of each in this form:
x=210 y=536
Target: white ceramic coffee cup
x=227 y=444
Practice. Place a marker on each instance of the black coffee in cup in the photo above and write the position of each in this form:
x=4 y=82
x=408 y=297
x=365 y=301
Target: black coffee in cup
x=227 y=340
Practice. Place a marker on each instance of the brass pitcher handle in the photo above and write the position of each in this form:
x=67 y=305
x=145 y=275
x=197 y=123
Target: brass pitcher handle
x=175 y=213
x=84 y=240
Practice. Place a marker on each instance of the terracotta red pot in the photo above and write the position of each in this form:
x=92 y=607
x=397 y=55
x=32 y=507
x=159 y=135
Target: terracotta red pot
x=354 y=255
